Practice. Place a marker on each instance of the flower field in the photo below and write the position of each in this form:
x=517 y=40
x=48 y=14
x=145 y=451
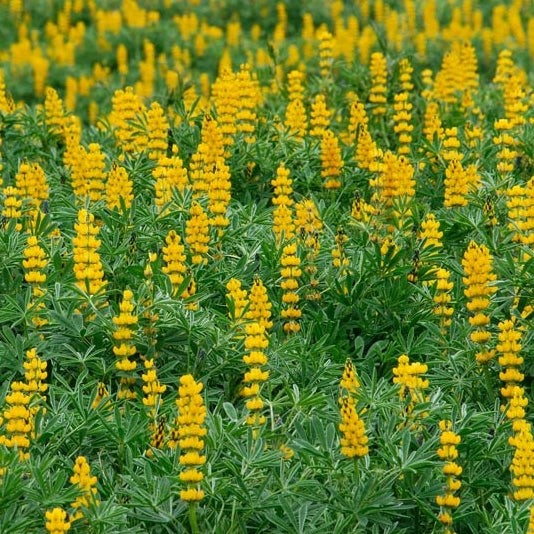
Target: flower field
x=267 y=267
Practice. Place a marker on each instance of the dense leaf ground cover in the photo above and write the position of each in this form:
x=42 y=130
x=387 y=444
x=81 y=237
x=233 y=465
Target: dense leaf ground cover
x=266 y=267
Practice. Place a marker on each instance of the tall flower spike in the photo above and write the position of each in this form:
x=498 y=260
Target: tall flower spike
x=188 y=435
x=255 y=344
x=331 y=161
x=17 y=420
x=509 y=347
x=377 y=96
x=283 y=202
x=197 y=234
x=174 y=257
x=290 y=273
x=522 y=466
x=448 y=452
x=86 y=485
x=87 y=265
x=34 y=263
x=477 y=264
x=124 y=347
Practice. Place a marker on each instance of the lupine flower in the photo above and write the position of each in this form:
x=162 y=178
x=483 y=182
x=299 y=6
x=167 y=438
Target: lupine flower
x=189 y=434
x=522 y=466
x=225 y=99
x=478 y=289
x=430 y=232
x=331 y=161
x=354 y=440
x=197 y=234
x=326 y=53
x=17 y=420
x=157 y=126
x=219 y=194
x=442 y=298
x=57 y=521
x=509 y=347
x=118 y=186
x=249 y=98
x=12 y=209
x=290 y=273
x=320 y=117
x=54 y=111
x=283 y=201
x=87 y=265
x=126 y=108
x=34 y=263
x=259 y=309
x=349 y=381
x=448 y=452
x=174 y=257
x=86 y=485
x=239 y=299
x=170 y=175
x=377 y=96
x=124 y=347
x=255 y=344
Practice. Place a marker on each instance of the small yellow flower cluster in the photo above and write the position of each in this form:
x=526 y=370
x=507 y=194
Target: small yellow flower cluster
x=290 y=273
x=197 y=234
x=32 y=186
x=448 y=452
x=124 y=347
x=188 y=436
x=218 y=178
x=87 y=265
x=283 y=225
x=57 y=521
x=86 y=485
x=477 y=264
x=357 y=120
x=250 y=97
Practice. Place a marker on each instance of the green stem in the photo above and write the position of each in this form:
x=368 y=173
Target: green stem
x=193 y=518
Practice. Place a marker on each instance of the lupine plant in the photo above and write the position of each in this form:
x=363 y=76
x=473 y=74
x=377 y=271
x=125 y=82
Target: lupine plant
x=266 y=266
